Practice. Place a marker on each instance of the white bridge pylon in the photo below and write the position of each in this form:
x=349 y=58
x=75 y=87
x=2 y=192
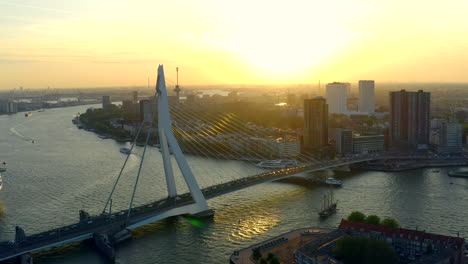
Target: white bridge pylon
x=169 y=143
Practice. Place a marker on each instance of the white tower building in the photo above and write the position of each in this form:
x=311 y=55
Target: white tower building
x=337 y=94
x=367 y=96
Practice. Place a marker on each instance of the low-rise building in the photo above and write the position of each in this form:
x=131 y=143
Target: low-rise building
x=344 y=141
x=277 y=147
x=368 y=144
x=8 y=107
x=446 y=137
x=412 y=246
x=129 y=107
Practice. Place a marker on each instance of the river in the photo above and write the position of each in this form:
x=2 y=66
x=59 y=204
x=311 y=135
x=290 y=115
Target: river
x=67 y=169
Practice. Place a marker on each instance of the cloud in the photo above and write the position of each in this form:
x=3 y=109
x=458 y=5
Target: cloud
x=36 y=7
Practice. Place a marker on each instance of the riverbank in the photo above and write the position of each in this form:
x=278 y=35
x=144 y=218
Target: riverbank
x=101 y=134
x=458 y=174
x=282 y=246
x=413 y=166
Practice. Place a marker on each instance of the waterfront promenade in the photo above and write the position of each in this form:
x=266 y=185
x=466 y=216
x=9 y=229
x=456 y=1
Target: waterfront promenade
x=282 y=246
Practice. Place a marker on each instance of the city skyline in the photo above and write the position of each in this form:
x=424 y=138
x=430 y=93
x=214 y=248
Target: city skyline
x=119 y=43
x=118 y=167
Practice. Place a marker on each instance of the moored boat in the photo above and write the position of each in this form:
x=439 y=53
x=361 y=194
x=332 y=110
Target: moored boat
x=125 y=150
x=458 y=174
x=333 y=181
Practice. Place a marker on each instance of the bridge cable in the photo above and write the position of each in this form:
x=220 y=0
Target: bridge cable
x=241 y=126
x=239 y=154
x=218 y=131
x=123 y=167
x=194 y=141
x=139 y=172
x=302 y=153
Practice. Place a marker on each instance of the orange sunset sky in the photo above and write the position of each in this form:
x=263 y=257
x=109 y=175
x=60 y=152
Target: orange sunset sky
x=120 y=42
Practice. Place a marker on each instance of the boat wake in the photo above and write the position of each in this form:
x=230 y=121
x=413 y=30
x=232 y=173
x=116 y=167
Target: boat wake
x=18 y=134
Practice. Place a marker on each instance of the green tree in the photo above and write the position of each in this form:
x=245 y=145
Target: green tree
x=275 y=260
x=430 y=249
x=270 y=256
x=256 y=254
x=379 y=252
x=350 y=249
x=263 y=261
x=373 y=220
x=362 y=250
x=390 y=223
x=357 y=216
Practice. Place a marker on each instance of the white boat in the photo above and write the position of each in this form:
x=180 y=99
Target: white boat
x=333 y=181
x=1 y=182
x=125 y=150
x=277 y=164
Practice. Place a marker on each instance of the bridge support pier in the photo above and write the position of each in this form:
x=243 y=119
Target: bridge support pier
x=26 y=259
x=22 y=259
x=204 y=214
x=104 y=245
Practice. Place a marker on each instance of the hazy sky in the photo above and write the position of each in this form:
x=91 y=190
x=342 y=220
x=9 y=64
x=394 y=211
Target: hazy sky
x=85 y=43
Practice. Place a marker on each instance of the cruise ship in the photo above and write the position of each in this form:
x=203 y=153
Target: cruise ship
x=277 y=164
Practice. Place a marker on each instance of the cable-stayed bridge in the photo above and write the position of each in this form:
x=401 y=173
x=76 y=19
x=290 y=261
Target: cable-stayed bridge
x=202 y=133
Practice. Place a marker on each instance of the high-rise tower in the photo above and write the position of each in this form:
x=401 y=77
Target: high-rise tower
x=367 y=96
x=410 y=118
x=336 y=97
x=315 y=123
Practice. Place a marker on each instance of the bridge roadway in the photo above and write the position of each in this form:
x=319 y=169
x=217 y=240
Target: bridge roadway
x=148 y=213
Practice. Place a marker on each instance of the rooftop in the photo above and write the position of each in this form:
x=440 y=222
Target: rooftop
x=415 y=235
